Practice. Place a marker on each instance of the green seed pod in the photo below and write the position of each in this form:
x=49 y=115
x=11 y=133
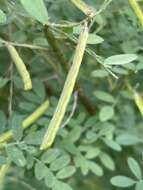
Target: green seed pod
x=20 y=67
x=3 y=170
x=67 y=91
x=137 y=10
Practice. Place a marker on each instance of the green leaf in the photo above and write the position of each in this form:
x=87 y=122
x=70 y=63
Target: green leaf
x=16 y=125
x=122 y=181
x=76 y=30
x=37 y=10
x=40 y=170
x=104 y=96
x=99 y=73
x=40 y=41
x=106 y=129
x=16 y=155
x=49 y=179
x=50 y=155
x=3 y=120
x=134 y=167
x=39 y=89
x=94 y=39
x=82 y=163
x=34 y=138
x=107 y=161
x=95 y=168
x=30 y=161
x=90 y=121
x=120 y=59
x=128 y=140
x=66 y=172
x=112 y=144
x=139 y=185
x=3 y=82
x=27 y=106
x=70 y=147
x=120 y=71
x=60 y=162
x=92 y=153
x=31 y=97
x=61 y=186
x=106 y=113
x=74 y=134
x=18 y=82
x=2 y=17
x=2 y=160
x=91 y=136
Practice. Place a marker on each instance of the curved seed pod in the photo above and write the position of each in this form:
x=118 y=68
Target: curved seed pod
x=20 y=67
x=67 y=91
x=86 y=9
x=137 y=10
x=26 y=122
x=3 y=170
x=139 y=101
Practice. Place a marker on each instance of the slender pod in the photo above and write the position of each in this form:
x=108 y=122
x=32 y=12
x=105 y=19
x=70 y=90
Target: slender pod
x=3 y=170
x=86 y=9
x=67 y=91
x=139 y=101
x=27 y=122
x=137 y=10
x=20 y=66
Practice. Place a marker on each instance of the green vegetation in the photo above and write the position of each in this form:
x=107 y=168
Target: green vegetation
x=71 y=102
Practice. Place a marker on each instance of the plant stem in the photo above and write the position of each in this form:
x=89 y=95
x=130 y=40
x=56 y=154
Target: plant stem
x=27 y=122
x=55 y=46
x=30 y=46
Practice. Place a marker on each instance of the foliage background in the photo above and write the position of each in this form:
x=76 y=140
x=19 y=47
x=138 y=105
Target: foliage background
x=96 y=145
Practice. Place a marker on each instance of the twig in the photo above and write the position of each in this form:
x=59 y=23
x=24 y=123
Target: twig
x=55 y=46
x=10 y=90
x=54 y=76
x=89 y=12
x=23 y=45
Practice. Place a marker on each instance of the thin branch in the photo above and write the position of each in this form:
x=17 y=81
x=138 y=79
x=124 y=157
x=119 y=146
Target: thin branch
x=10 y=90
x=23 y=45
